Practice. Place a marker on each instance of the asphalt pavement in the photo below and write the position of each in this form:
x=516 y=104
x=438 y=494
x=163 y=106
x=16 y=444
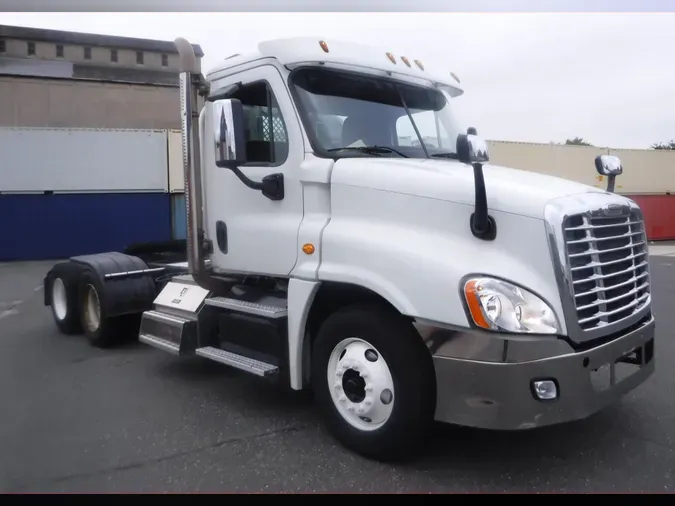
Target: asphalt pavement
x=134 y=419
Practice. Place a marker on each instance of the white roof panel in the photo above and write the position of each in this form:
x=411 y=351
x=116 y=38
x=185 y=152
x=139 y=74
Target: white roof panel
x=293 y=52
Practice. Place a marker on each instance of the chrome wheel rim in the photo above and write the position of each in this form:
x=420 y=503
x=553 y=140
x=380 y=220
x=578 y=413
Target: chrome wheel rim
x=59 y=299
x=361 y=384
x=92 y=309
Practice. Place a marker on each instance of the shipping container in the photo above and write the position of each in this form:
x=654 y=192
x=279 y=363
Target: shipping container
x=41 y=227
x=659 y=214
x=178 y=216
x=83 y=160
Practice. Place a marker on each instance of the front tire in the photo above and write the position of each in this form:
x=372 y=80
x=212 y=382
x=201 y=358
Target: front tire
x=374 y=381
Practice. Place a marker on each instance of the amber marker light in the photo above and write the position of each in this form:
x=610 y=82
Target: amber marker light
x=308 y=249
x=472 y=291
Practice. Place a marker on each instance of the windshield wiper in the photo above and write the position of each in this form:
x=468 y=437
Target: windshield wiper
x=452 y=156
x=370 y=150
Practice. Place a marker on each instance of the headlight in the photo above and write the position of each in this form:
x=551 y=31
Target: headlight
x=499 y=305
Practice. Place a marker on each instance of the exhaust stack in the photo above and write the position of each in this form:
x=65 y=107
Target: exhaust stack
x=190 y=83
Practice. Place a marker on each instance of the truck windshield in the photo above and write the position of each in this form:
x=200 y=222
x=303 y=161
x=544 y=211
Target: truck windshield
x=350 y=114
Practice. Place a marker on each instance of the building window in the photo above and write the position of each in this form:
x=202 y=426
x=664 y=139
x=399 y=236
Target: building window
x=59 y=51
x=87 y=53
x=113 y=55
x=3 y=46
x=165 y=60
x=139 y=57
x=31 y=48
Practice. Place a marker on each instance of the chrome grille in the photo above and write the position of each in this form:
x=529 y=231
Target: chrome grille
x=607 y=258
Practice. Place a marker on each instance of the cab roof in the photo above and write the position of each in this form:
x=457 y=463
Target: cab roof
x=299 y=51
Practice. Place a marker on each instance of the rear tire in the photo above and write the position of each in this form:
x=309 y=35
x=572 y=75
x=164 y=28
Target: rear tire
x=62 y=284
x=373 y=379
x=101 y=330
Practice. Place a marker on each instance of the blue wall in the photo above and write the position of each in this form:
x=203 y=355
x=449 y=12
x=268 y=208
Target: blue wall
x=41 y=227
x=179 y=216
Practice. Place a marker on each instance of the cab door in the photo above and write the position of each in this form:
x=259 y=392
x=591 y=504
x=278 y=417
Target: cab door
x=250 y=232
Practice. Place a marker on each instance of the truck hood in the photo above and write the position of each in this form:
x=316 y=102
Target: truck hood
x=508 y=190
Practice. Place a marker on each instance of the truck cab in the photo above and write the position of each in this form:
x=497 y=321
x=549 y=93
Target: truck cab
x=346 y=234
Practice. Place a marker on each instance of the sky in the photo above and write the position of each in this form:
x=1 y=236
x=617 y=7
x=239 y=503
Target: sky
x=606 y=77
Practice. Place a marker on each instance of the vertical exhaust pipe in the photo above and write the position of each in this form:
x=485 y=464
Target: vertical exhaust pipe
x=190 y=82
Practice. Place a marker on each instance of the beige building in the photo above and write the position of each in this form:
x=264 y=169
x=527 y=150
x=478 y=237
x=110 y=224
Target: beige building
x=51 y=78
x=645 y=171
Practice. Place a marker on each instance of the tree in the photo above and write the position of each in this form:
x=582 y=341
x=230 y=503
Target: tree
x=577 y=141
x=670 y=145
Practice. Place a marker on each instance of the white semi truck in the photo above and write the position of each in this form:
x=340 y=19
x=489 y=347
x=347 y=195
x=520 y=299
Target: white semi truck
x=347 y=235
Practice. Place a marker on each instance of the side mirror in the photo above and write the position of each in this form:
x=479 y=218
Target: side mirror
x=472 y=149
x=229 y=133
x=608 y=165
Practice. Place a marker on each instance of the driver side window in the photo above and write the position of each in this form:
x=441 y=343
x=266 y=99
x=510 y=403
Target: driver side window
x=431 y=130
x=266 y=134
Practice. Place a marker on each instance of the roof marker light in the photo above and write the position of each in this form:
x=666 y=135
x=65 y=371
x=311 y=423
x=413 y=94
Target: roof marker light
x=391 y=58
x=454 y=76
x=419 y=64
x=405 y=60
x=324 y=46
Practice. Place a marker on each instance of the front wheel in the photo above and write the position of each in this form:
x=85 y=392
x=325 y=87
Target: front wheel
x=374 y=381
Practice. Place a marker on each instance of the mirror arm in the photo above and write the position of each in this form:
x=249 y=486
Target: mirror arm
x=253 y=185
x=483 y=226
x=611 y=180
x=480 y=216
x=271 y=186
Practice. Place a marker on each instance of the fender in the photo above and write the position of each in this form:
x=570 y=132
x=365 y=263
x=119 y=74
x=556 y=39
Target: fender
x=415 y=252
x=128 y=284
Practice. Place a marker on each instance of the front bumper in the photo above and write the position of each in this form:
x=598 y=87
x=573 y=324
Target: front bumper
x=499 y=395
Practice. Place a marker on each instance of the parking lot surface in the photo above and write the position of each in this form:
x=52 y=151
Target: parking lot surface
x=134 y=419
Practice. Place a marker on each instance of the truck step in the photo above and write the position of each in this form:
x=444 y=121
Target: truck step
x=157 y=342
x=238 y=361
x=253 y=308
x=167 y=332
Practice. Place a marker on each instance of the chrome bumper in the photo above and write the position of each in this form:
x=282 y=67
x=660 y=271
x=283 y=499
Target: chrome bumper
x=500 y=395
